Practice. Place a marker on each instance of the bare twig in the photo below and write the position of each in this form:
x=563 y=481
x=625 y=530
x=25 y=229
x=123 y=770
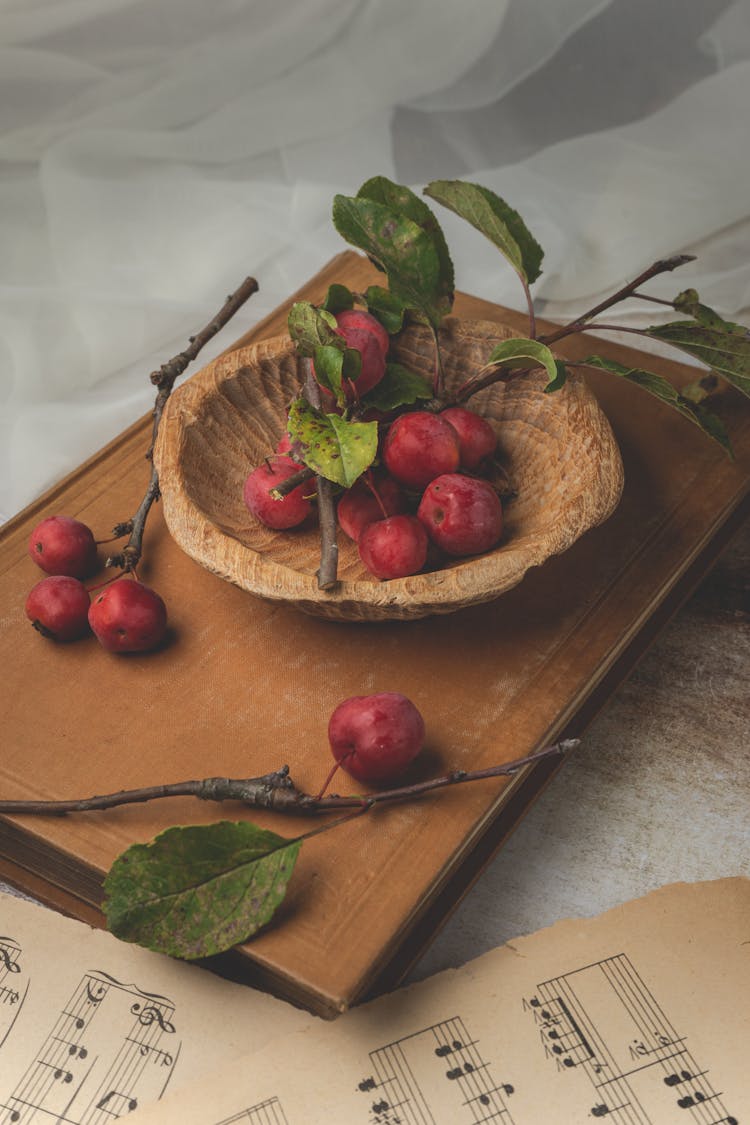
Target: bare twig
x=329 y=548
x=164 y=380
x=487 y=376
x=664 y=265
x=276 y=791
x=284 y=487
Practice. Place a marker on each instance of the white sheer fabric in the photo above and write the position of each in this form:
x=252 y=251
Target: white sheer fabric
x=154 y=152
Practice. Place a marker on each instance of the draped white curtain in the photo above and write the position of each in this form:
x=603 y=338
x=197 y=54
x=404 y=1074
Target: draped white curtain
x=154 y=152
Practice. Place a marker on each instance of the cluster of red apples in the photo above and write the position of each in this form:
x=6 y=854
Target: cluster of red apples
x=427 y=497
x=124 y=615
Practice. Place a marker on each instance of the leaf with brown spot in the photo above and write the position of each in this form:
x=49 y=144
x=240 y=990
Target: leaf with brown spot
x=198 y=890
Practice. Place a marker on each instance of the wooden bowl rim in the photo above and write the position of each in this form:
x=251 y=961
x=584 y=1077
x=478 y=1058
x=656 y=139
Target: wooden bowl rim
x=463 y=582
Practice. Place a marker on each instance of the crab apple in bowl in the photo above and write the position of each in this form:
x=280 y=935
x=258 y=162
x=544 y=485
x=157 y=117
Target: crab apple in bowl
x=127 y=616
x=375 y=737
x=462 y=515
x=62 y=545
x=366 y=335
x=369 y=499
x=476 y=438
x=58 y=608
x=418 y=447
x=293 y=509
x=394 y=548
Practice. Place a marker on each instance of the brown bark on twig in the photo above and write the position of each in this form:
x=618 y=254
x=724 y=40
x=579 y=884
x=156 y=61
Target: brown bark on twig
x=164 y=380
x=276 y=791
x=329 y=548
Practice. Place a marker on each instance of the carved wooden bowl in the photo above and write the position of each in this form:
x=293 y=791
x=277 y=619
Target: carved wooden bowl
x=558 y=449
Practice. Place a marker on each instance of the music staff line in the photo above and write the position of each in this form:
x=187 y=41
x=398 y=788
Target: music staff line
x=70 y=1066
x=577 y=1040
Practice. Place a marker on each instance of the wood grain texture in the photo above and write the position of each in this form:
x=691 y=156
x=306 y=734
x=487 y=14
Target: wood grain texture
x=558 y=450
x=245 y=684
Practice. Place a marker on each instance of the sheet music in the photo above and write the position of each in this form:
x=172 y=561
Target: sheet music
x=638 y=1017
x=92 y=1029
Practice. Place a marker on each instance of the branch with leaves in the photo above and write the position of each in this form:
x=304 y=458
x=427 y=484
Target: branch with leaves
x=401 y=235
x=198 y=890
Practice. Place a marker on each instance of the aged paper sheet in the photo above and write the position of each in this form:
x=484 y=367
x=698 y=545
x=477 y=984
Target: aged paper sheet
x=638 y=1017
x=92 y=1028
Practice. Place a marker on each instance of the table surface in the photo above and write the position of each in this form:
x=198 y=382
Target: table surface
x=657 y=792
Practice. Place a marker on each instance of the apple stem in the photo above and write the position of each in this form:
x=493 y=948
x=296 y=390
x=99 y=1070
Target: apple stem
x=371 y=485
x=106 y=582
x=331 y=774
x=277 y=793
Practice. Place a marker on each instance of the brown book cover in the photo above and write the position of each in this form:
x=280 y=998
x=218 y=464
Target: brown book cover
x=244 y=686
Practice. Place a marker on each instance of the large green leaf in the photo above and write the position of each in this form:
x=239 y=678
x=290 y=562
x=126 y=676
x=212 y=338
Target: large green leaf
x=398 y=387
x=335 y=448
x=727 y=353
x=406 y=252
x=520 y=352
x=198 y=890
x=493 y=218
x=663 y=390
x=402 y=199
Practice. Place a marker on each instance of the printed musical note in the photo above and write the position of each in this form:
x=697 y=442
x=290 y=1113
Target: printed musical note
x=604 y=1021
x=74 y=1079
x=120 y=1100
x=403 y=1070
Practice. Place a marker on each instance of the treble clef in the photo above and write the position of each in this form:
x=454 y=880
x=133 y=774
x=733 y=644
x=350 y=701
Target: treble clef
x=151 y=1014
x=11 y=966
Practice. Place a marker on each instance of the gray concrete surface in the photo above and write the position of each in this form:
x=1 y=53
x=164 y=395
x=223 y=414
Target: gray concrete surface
x=658 y=792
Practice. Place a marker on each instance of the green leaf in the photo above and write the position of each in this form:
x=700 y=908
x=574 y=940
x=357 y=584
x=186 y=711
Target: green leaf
x=398 y=387
x=389 y=310
x=402 y=199
x=198 y=890
x=710 y=423
x=689 y=302
x=560 y=378
x=333 y=365
x=527 y=353
x=493 y=218
x=335 y=448
x=312 y=328
x=727 y=353
x=338 y=298
x=400 y=247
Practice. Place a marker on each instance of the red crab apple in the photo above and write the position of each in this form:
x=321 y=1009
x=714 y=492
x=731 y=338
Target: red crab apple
x=127 y=616
x=58 y=607
x=367 y=501
x=462 y=515
x=62 y=545
x=476 y=438
x=394 y=548
x=362 y=332
x=418 y=447
x=290 y=511
x=375 y=737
